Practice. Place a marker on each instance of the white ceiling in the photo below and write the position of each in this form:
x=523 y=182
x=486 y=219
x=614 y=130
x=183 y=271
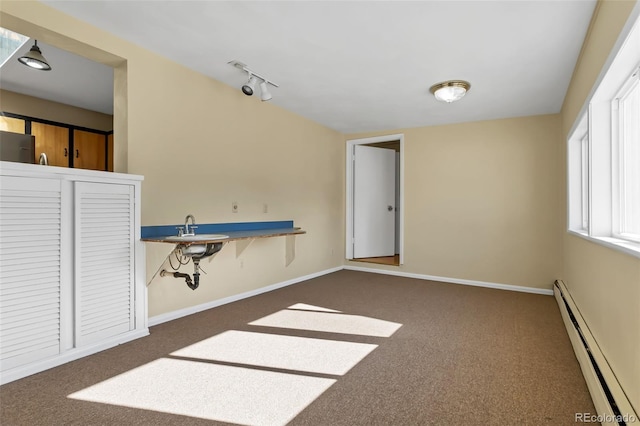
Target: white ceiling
x=365 y=65
x=73 y=80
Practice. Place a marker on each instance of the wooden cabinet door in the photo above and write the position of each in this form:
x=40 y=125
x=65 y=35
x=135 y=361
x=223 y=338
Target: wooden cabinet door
x=89 y=150
x=10 y=124
x=110 y=152
x=53 y=141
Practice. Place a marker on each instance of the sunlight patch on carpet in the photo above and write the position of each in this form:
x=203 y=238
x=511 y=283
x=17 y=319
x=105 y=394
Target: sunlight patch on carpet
x=329 y=322
x=197 y=386
x=277 y=351
x=305 y=307
x=209 y=391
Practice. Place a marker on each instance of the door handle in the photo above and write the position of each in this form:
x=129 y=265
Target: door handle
x=66 y=152
x=77 y=153
x=390 y=208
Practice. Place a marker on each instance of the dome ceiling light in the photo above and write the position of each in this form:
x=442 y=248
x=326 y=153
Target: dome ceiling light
x=450 y=91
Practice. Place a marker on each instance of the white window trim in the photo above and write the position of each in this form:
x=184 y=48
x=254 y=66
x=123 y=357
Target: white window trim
x=628 y=247
x=584 y=181
x=603 y=154
x=577 y=185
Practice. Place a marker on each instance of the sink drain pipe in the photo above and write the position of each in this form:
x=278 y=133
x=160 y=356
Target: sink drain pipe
x=196 y=274
x=210 y=249
x=192 y=284
x=186 y=277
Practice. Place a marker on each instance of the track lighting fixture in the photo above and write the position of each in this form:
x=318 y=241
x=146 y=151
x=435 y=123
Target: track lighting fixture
x=250 y=87
x=34 y=59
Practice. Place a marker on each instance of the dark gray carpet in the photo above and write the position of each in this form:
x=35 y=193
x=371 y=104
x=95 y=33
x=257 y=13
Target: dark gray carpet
x=464 y=355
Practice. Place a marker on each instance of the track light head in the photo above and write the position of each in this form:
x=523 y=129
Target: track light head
x=265 y=95
x=250 y=87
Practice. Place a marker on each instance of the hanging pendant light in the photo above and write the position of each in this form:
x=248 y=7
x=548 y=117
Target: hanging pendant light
x=34 y=59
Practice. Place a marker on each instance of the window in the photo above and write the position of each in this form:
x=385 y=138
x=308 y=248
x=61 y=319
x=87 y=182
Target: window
x=627 y=143
x=604 y=155
x=579 y=178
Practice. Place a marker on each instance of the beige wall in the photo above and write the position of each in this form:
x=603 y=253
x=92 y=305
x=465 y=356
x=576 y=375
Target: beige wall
x=18 y=103
x=201 y=145
x=482 y=201
x=604 y=283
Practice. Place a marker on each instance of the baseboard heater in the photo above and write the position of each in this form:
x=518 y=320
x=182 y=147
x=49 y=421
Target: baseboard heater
x=612 y=405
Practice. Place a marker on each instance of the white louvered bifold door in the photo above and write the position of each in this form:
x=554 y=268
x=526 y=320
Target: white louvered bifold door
x=104 y=261
x=30 y=269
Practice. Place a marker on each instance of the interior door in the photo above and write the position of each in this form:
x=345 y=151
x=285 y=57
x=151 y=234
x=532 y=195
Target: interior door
x=374 y=202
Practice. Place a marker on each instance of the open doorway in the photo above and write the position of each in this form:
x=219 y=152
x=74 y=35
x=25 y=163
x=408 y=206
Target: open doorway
x=374 y=222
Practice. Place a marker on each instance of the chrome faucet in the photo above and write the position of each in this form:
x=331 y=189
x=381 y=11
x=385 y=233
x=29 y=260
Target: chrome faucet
x=188 y=231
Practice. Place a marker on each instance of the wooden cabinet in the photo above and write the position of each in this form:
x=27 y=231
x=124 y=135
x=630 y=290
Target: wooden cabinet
x=72 y=279
x=10 y=124
x=89 y=150
x=65 y=145
x=53 y=141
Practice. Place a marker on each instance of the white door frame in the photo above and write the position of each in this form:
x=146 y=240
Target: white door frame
x=349 y=190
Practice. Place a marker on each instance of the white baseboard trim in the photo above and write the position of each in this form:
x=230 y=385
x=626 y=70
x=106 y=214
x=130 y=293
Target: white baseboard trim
x=170 y=316
x=547 y=292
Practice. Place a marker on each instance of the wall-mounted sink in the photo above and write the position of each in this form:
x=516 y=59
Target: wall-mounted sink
x=196 y=238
